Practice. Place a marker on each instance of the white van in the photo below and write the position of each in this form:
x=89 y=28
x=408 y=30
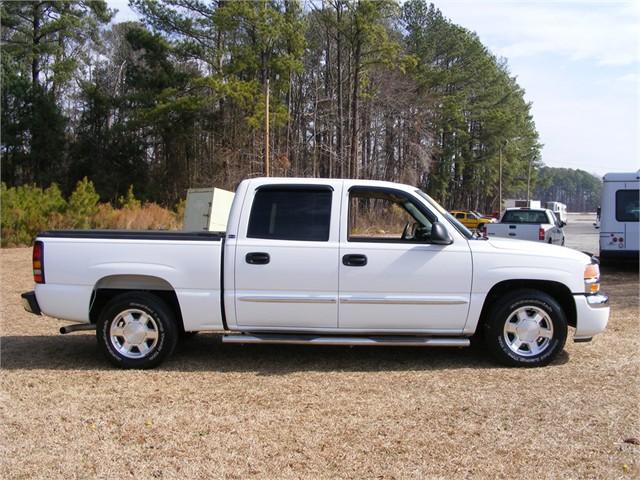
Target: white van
x=620 y=217
x=559 y=209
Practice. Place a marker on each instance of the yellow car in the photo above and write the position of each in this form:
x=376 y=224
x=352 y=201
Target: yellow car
x=470 y=220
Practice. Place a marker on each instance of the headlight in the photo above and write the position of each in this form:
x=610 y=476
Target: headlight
x=591 y=279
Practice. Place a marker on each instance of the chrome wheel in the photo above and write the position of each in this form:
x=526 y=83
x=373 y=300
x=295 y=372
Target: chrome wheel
x=528 y=331
x=134 y=333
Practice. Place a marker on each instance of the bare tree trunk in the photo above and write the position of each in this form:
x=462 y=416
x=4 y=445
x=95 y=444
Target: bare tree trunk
x=340 y=137
x=35 y=60
x=354 y=111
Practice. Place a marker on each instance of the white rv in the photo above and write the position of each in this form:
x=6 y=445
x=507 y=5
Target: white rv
x=620 y=217
x=559 y=209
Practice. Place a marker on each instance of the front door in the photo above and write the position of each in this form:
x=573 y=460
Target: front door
x=287 y=258
x=391 y=277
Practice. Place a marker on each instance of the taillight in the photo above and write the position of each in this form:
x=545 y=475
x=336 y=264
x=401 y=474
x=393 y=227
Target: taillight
x=541 y=234
x=38 y=262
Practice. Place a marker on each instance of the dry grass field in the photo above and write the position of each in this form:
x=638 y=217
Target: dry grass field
x=217 y=410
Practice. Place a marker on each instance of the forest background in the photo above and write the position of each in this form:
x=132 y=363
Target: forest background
x=107 y=126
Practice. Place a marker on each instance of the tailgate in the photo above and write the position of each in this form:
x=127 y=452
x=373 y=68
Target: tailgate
x=520 y=231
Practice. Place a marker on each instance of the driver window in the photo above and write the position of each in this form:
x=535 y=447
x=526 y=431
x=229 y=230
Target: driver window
x=378 y=216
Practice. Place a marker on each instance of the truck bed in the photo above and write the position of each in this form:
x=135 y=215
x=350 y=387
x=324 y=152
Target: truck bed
x=78 y=263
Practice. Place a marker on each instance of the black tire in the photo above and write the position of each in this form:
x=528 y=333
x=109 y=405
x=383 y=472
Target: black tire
x=148 y=313
x=530 y=304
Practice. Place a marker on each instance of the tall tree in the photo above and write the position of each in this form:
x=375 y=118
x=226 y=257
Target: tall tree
x=481 y=120
x=43 y=42
x=370 y=45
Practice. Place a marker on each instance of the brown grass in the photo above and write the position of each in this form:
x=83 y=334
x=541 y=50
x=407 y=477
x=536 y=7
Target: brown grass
x=217 y=410
x=149 y=216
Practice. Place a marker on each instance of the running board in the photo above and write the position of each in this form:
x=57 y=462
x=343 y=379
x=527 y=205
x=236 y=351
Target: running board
x=381 y=341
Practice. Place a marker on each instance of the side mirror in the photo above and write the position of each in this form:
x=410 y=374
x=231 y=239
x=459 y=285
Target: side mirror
x=439 y=235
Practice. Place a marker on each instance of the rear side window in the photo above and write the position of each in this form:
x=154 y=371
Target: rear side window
x=291 y=214
x=628 y=205
x=525 y=216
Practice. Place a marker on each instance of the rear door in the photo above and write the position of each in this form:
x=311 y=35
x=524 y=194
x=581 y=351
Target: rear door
x=628 y=215
x=286 y=258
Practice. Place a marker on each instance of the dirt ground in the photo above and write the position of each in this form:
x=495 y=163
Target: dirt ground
x=230 y=411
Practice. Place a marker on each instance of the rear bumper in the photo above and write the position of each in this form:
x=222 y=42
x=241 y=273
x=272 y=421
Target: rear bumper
x=592 y=315
x=30 y=303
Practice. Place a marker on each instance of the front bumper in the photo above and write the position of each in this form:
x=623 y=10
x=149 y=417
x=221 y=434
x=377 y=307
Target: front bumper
x=592 y=315
x=30 y=303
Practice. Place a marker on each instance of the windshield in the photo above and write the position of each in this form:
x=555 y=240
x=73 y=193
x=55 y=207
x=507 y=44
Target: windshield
x=458 y=226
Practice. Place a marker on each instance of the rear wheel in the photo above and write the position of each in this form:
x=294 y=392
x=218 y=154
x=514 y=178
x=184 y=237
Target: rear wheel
x=527 y=328
x=137 y=330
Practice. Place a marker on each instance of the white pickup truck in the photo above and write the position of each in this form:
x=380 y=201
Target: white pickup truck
x=319 y=262
x=535 y=224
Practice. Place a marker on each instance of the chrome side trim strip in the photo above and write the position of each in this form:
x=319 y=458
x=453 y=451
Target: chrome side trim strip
x=403 y=300
x=298 y=330
x=287 y=299
x=388 y=300
x=336 y=340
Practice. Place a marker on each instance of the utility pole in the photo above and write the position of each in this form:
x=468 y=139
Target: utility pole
x=266 y=132
x=500 y=183
x=529 y=181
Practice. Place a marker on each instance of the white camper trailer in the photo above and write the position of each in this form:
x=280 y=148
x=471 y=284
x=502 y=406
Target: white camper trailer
x=620 y=217
x=559 y=209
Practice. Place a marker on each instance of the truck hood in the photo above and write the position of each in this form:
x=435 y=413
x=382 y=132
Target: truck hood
x=537 y=248
x=500 y=259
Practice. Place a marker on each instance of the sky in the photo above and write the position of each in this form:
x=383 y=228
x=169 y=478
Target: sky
x=579 y=63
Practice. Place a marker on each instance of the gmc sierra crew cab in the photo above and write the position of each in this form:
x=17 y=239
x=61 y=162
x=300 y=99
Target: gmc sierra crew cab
x=319 y=262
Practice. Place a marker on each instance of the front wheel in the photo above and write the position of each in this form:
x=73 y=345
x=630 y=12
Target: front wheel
x=527 y=328
x=137 y=330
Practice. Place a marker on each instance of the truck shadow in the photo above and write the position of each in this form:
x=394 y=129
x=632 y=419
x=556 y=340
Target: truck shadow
x=621 y=268
x=206 y=352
